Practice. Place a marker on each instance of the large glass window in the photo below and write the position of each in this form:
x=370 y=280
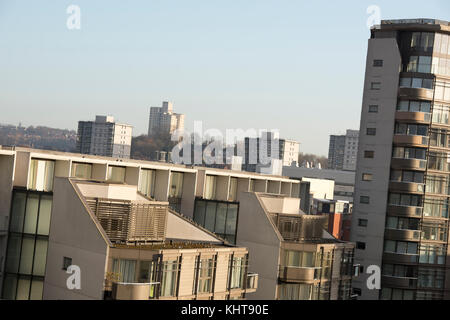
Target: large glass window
x=210 y=187
x=205 y=273
x=414 y=106
x=432 y=253
x=27 y=245
x=441 y=113
x=116 y=174
x=176 y=185
x=169 y=278
x=238 y=271
x=435 y=207
x=41 y=174
x=126 y=269
x=300 y=259
x=218 y=217
x=411 y=129
x=416 y=83
x=147 y=182
x=409 y=153
x=81 y=170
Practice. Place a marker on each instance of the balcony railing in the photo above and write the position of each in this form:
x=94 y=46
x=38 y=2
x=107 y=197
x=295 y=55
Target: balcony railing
x=129 y=221
x=299 y=274
x=300 y=227
x=135 y=291
x=252 y=282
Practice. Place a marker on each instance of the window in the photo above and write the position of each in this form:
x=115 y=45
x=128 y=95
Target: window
x=362 y=222
x=361 y=245
x=116 y=174
x=416 y=83
x=409 y=153
x=419 y=64
x=375 y=86
x=400 y=247
x=371 y=131
x=210 y=187
x=40 y=176
x=67 y=262
x=205 y=271
x=409 y=200
x=367 y=177
x=411 y=129
x=300 y=259
x=238 y=266
x=377 y=63
x=218 y=217
x=364 y=199
x=169 y=278
x=126 y=269
x=81 y=170
x=147 y=182
x=369 y=154
x=373 y=109
x=414 y=106
x=176 y=185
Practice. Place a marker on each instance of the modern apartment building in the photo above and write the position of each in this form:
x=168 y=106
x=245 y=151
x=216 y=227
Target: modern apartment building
x=104 y=137
x=400 y=217
x=164 y=120
x=295 y=258
x=343 y=150
x=129 y=222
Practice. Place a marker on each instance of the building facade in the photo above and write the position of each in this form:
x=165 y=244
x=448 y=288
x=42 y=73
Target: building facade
x=295 y=258
x=400 y=218
x=164 y=120
x=104 y=137
x=105 y=199
x=343 y=150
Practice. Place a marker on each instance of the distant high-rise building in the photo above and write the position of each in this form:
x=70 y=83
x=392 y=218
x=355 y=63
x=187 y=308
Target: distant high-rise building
x=164 y=120
x=256 y=148
x=343 y=150
x=400 y=217
x=104 y=137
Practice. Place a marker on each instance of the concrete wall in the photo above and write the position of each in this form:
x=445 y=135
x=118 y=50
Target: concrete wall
x=379 y=166
x=256 y=232
x=6 y=182
x=73 y=234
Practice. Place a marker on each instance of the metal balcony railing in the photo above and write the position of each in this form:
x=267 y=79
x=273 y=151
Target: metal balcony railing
x=129 y=221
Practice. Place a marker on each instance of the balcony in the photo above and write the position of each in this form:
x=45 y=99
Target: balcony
x=300 y=227
x=415 y=93
x=417 y=117
x=398 y=258
x=299 y=274
x=404 y=211
x=416 y=164
x=130 y=221
x=410 y=187
x=135 y=291
x=252 y=282
x=398 y=282
x=402 y=235
x=407 y=140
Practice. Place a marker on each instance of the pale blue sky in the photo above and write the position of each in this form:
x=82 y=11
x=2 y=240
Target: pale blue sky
x=297 y=66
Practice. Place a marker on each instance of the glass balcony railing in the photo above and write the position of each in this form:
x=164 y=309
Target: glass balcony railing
x=252 y=281
x=135 y=291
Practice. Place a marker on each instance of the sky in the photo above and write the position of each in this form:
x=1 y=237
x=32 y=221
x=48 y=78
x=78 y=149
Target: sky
x=294 y=66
